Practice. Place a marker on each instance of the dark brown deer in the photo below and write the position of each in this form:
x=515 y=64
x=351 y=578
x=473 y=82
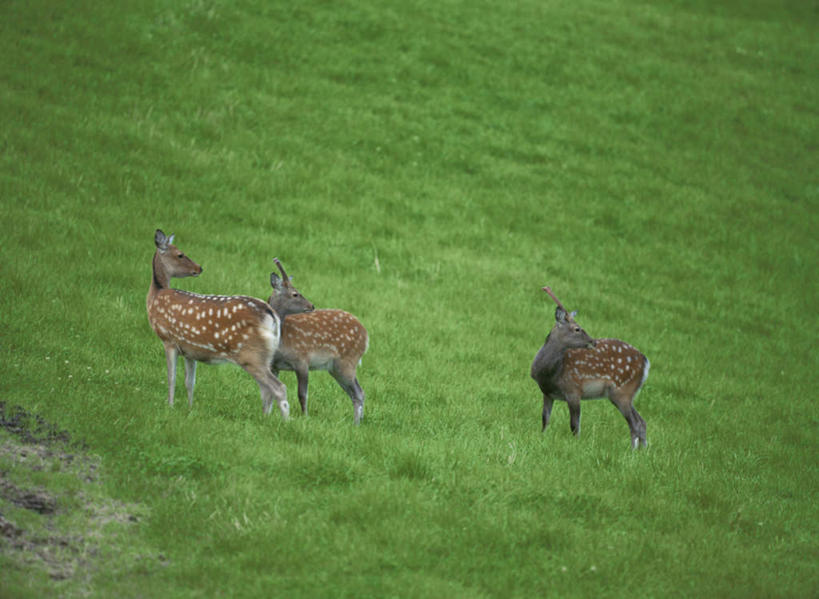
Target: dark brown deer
x=211 y=328
x=332 y=340
x=572 y=366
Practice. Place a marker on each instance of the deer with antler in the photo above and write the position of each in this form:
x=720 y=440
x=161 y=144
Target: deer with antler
x=572 y=366
x=332 y=340
x=211 y=328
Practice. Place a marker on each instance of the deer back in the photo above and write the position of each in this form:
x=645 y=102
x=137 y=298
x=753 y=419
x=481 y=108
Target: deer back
x=214 y=328
x=322 y=337
x=610 y=364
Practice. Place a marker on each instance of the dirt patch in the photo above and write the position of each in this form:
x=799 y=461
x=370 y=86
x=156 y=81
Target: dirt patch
x=8 y=529
x=54 y=516
x=30 y=428
x=37 y=500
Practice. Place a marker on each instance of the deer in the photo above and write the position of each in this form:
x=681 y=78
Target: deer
x=332 y=340
x=211 y=328
x=572 y=366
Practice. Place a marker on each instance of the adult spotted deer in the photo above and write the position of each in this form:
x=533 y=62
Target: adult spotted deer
x=572 y=366
x=211 y=328
x=332 y=340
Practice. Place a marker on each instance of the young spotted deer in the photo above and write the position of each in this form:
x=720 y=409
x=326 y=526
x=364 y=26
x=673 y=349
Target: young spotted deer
x=332 y=340
x=572 y=366
x=211 y=328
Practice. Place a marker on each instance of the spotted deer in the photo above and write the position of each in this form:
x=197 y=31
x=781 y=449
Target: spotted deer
x=332 y=340
x=211 y=328
x=572 y=366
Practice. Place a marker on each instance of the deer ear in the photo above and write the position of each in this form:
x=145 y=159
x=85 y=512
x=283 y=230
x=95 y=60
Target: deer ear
x=275 y=281
x=161 y=241
x=573 y=314
x=560 y=315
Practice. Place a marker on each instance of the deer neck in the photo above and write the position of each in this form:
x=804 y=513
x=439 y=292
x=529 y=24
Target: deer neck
x=549 y=360
x=160 y=279
x=278 y=310
x=281 y=311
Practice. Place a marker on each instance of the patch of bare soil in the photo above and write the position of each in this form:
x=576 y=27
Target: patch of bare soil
x=54 y=528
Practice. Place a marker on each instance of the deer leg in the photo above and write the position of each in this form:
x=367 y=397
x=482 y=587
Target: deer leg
x=628 y=413
x=302 y=376
x=641 y=426
x=279 y=391
x=270 y=388
x=353 y=391
x=547 y=411
x=170 y=357
x=358 y=401
x=190 y=378
x=574 y=415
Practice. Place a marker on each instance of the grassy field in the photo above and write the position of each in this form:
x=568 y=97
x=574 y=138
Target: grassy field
x=427 y=166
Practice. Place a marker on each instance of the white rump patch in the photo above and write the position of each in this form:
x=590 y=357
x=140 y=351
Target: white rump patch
x=269 y=332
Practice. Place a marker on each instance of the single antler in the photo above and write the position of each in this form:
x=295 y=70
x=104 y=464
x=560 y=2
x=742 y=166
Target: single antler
x=281 y=269
x=548 y=290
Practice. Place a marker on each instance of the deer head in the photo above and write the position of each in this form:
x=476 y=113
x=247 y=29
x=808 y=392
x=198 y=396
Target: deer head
x=286 y=299
x=566 y=332
x=170 y=262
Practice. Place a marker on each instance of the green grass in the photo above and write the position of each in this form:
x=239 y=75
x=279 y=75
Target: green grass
x=427 y=166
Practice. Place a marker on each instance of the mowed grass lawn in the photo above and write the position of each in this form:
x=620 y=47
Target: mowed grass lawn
x=428 y=166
